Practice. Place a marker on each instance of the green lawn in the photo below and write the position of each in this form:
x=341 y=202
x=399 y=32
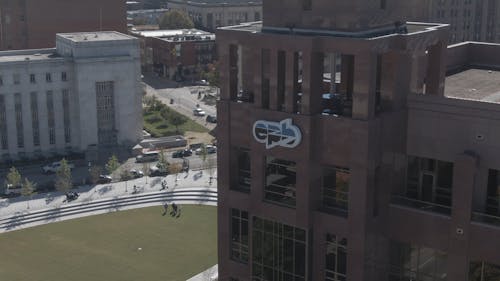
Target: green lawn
x=158 y=126
x=105 y=247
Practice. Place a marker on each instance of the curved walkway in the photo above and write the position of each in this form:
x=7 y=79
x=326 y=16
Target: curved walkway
x=204 y=196
x=186 y=188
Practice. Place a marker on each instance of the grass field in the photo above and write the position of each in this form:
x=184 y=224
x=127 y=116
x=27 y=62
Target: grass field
x=159 y=126
x=105 y=247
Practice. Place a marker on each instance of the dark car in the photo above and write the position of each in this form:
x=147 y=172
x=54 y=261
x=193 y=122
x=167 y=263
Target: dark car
x=104 y=179
x=70 y=196
x=182 y=153
x=211 y=119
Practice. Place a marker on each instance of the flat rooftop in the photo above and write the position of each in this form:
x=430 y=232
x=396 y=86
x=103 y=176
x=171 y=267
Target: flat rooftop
x=474 y=84
x=95 y=36
x=218 y=2
x=31 y=55
x=408 y=28
x=178 y=35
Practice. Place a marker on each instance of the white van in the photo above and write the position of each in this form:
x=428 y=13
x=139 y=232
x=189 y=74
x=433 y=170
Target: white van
x=12 y=190
x=148 y=157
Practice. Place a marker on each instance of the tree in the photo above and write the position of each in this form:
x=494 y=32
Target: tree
x=13 y=178
x=212 y=75
x=212 y=165
x=112 y=164
x=63 y=177
x=162 y=162
x=203 y=155
x=175 y=169
x=95 y=172
x=145 y=170
x=177 y=120
x=175 y=19
x=28 y=189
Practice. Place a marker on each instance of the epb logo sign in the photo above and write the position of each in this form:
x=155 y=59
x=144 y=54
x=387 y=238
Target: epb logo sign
x=273 y=134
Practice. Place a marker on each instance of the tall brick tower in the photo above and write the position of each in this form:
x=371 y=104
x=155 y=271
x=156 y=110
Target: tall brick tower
x=311 y=120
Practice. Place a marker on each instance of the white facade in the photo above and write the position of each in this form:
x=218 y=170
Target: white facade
x=219 y=13
x=69 y=76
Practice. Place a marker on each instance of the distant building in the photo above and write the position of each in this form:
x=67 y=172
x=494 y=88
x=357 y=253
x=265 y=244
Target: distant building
x=32 y=24
x=180 y=54
x=208 y=15
x=146 y=17
x=470 y=20
x=85 y=92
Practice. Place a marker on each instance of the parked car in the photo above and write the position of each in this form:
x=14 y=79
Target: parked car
x=55 y=166
x=211 y=119
x=198 y=112
x=182 y=153
x=136 y=173
x=210 y=149
x=70 y=196
x=104 y=179
x=12 y=191
x=148 y=157
x=156 y=171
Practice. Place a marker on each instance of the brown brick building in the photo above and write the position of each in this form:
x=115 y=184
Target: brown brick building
x=391 y=171
x=31 y=24
x=179 y=54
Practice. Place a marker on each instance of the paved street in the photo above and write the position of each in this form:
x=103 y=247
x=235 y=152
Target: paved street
x=185 y=98
x=19 y=205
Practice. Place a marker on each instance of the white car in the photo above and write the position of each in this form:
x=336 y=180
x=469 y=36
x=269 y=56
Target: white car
x=209 y=148
x=55 y=166
x=198 y=112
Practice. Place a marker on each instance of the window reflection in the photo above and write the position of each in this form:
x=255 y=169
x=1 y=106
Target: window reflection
x=279 y=251
x=280 y=181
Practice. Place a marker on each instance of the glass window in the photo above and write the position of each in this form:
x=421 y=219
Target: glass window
x=19 y=120
x=66 y=114
x=32 y=78
x=64 y=76
x=279 y=251
x=51 y=119
x=482 y=271
x=244 y=172
x=412 y=262
x=492 y=200
x=239 y=235
x=336 y=190
x=3 y=124
x=48 y=77
x=336 y=258
x=16 y=79
x=1 y=80
x=280 y=181
x=34 y=119
x=428 y=185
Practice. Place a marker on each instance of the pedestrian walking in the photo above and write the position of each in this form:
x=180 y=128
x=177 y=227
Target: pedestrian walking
x=173 y=213
x=178 y=211
x=165 y=208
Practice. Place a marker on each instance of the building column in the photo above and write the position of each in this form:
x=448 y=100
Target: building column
x=312 y=81
x=273 y=79
x=436 y=69
x=290 y=80
x=464 y=172
x=360 y=189
x=257 y=75
x=363 y=100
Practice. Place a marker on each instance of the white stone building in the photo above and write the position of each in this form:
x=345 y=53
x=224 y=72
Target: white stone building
x=210 y=14
x=85 y=92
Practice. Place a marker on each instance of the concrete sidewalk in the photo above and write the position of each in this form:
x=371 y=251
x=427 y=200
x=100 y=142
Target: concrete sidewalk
x=211 y=274
x=19 y=205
